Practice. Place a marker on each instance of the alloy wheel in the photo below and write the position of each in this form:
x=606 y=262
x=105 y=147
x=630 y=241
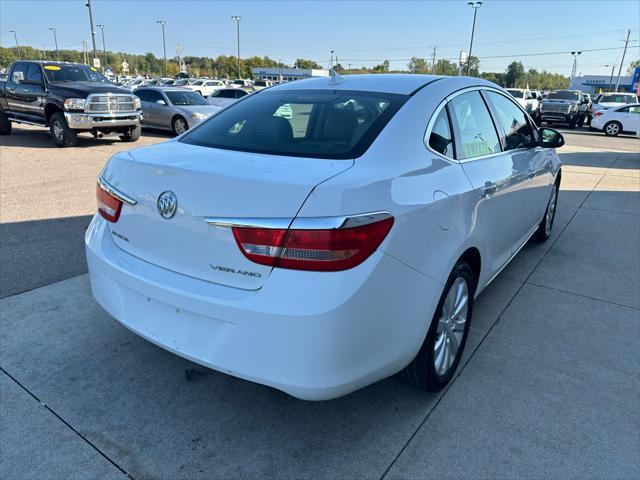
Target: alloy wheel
x=613 y=129
x=58 y=131
x=451 y=326
x=180 y=126
x=551 y=211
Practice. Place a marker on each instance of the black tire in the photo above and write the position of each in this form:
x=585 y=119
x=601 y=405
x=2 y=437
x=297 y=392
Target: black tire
x=422 y=371
x=175 y=125
x=61 y=134
x=5 y=124
x=612 y=129
x=132 y=135
x=572 y=122
x=543 y=232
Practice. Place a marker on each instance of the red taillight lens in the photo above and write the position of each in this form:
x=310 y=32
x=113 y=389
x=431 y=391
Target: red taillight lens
x=328 y=250
x=597 y=114
x=108 y=205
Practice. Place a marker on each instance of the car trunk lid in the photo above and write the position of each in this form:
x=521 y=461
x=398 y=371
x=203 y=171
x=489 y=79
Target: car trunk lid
x=207 y=182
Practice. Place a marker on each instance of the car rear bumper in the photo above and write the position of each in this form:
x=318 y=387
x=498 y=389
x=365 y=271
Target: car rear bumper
x=88 y=121
x=313 y=335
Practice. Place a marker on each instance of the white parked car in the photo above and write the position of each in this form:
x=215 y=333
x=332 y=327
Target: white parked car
x=325 y=251
x=226 y=96
x=241 y=83
x=605 y=101
x=528 y=99
x=618 y=120
x=206 y=87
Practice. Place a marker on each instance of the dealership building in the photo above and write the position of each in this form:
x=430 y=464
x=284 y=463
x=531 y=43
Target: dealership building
x=287 y=74
x=605 y=83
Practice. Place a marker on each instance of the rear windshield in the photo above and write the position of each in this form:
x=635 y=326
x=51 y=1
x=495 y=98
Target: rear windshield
x=618 y=99
x=307 y=123
x=564 y=95
x=515 y=93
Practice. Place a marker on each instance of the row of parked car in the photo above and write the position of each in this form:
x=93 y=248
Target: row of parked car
x=612 y=113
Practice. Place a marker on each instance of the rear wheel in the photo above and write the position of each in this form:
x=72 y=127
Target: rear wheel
x=436 y=362
x=543 y=232
x=61 y=134
x=132 y=135
x=5 y=124
x=179 y=125
x=612 y=128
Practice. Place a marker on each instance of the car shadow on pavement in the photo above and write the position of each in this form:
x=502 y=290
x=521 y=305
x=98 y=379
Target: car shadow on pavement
x=39 y=252
x=41 y=138
x=622 y=160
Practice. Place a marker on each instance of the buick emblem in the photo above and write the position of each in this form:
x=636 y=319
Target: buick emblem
x=167 y=204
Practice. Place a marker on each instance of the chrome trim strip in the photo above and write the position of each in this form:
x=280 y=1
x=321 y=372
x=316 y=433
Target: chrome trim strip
x=276 y=223
x=26 y=122
x=300 y=223
x=123 y=197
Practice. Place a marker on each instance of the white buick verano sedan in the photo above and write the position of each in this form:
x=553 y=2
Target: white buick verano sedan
x=322 y=235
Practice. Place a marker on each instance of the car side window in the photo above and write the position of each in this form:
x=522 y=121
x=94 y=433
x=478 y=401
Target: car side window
x=34 y=73
x=635 y=110
x=440 y=138
x=153 y=96
x=473 y=126
x=517 y=131
x=240 y=93
x=19 y=67
x=142 y=95
x=623 y=110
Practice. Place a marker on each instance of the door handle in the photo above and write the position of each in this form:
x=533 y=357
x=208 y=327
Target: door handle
x=488 y=189
x=530 y=174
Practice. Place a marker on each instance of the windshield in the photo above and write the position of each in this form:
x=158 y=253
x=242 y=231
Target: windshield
x=186 y=98
x=515 y=93
x=618 y=98
x=73 y=73
x=260 y=83
x=198 y=82
x=564 y=95
x=313 y=123
x=238 y=82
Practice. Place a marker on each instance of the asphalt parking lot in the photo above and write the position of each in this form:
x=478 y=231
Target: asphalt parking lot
x=549 y=386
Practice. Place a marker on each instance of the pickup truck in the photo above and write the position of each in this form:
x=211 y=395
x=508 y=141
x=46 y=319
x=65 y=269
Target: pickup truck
x=563 y=106
x=69 y=98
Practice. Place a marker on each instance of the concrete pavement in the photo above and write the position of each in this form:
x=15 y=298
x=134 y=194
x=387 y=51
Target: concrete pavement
x=549 y=386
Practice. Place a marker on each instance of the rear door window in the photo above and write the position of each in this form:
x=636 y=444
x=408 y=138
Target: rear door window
x=330 y=124
x=512 y=121
x=475 y=132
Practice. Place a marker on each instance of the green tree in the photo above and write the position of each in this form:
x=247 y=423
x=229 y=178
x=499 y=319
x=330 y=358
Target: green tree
x=306 y=64
x=418 y=65
x=445 y=67
x=515 y=71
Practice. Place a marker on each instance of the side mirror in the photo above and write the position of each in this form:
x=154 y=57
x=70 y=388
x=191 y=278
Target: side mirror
x=161 y=102
x=18 y=77
x=550 y=138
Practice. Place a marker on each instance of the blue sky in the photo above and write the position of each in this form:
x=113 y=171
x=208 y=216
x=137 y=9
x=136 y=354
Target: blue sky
x=360 y=32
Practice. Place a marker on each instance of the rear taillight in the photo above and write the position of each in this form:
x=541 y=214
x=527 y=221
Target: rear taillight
x=597 y=114
x=327 y=250
x=108 y=205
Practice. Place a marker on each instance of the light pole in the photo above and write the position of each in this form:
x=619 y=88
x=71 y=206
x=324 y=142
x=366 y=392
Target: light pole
x=237 y=19
x=164 y=45
x=575 y=66
x=15 y=37
x=626 y=43
x=55 y=39
x=104 y=48
x=93 y=32
x=475 y=6
x=610 y=86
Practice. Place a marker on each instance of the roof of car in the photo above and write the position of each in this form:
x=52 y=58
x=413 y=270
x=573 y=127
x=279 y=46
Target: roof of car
x=163 y=88
x=400 y=83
